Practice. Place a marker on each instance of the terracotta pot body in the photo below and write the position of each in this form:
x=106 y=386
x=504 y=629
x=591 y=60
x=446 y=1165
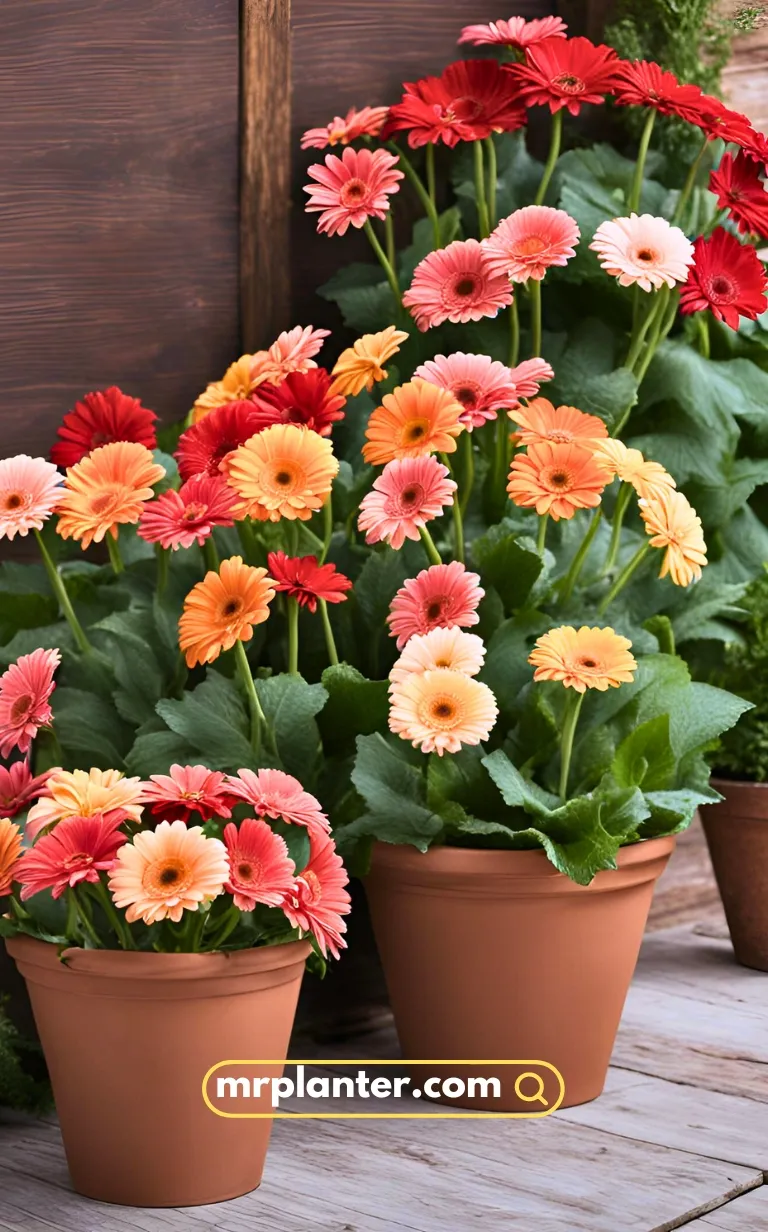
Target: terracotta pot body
x=495 y=955
x=737 y=837
x=129 y=1037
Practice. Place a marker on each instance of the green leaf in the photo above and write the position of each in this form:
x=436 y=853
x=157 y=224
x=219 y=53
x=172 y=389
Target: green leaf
x=363 y=296
x=290 y=706
x=587 y=375
x=423 y=242
x=394 y=792
x=462 y=779
x=701 y=714
x=355 y=706
x=89 y=729
x=511 y=568
x=506 y=670
x=154 y=752
x=517 y=791
x=704 y=388
x=645 y=758
x=212 y=720
x=381 y=576
x=296 y=840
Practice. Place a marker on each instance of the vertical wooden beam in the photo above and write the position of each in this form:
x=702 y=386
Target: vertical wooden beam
x=265 y=181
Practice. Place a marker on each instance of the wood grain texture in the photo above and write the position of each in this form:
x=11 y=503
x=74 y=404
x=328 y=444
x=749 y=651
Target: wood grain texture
x=747 y=1213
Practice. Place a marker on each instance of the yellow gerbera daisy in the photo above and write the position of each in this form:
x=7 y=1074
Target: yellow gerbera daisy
x=285 y=471
x=362 y=364
x=583 y=658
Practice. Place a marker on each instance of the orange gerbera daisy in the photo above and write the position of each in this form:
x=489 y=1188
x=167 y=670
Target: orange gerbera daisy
x=106 y=488
x=556 y=479
x=222 y=610
x=285 y=471
x=415 y=419
x=630 y=466
x=362 y=364
x=541 y=421
x=583 y=658
x=673 y=523
x=236 y=384
x=10 y=851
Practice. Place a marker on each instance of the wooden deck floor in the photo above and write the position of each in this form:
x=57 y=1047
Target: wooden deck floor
x=678 y=1139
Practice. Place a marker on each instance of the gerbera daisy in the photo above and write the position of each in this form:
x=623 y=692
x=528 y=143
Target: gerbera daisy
x=424 y=112
x=739 y=188
x=222 y=610
x=673 y=524
x=78 y=850
x=441 y=710
x=527 y=243
x=106 y=489
x=456 y=284
x=361 y=366
x=25 y=689
x=292 y=351
x=566 y=73
x=366 y=122
x=583 y=658
x=416 y=419
x=284 y=472
x=187 y=790
x=517 y=32
x=541 y=421
x=556 y=479
x=10 y=850
x=449 y=648
x=443 y=595
x=203 y=447
x=85 y=793
x=303 y=398
x=236 y=384
x=470 y=100
x=727 y=277
x=529 y=375
x=723 y=123
x=162 y=873
x=319 y=898
x=643 y=250
x=30 y=490
x=18 y=787
x=642 y=83
x=99 y=419
x=179 y=519
x=407 y=494
x=351 y=189
x=275 y=794
x=306 y=581
x=260 y=869
x=482 y=385
x=629 y=465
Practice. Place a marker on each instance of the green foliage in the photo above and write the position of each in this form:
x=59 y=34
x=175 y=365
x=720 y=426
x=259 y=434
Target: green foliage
x=743 y=751
x=23 y=1085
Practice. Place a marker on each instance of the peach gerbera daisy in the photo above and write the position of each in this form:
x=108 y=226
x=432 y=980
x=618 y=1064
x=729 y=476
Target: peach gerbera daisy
x=456 y=284
x=261 y=871
x=556 y=479
x=527 y=243
x=362 y=364
x=673 y=523
x=164 y=872
x=441 y=710
x=286 y=471
x=408 y=493
x=10 y=850
x=367 y=122
x=347 y=191
x=583 y=658
x=541 y=421
x=85 y=793
x=236 y=384
x=416 y=419
x=630 y=466
x=643 y=250
x=451 y=648
x=30 y=489
x=222 y=610
x=105 y=489
x=292 y=351
x=482 y=385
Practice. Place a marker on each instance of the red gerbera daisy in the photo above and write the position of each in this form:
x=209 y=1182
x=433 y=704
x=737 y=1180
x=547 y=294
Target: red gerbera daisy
x=566 y=73
x=642 y=83
x=18 y=788
x=739 y=189
x=260 y=869
x=304 y=580
x=717 y=120
x=179 y=519
x=204 y=446
x=727 y=277
x=302 y=398
x=101 y=418
x=470 y=100
x=77 y=850
x=187 y=790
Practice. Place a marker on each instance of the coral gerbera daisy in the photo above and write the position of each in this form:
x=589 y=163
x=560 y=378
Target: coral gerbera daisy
x=739 y=188
x=482 y=385
x=441 y=710
x=349 y=190
x=30 y=490
x=179 y=519
x=99 y=419
x=629 y=465
x=222 y=610
x=18 y=787
x=25 y=689
x=260 y=869
x=531 y=240
x=727 y=277
x=450 y=648
x=470 y=100
x=292 y=351
x=187 y=790
x=407 y=494
x=456 y=284
x=517 y=32
x=84 y=793
x=417 y=418
x=643 y=250
x=673 y=523
x=556 y=479
x=236 y=384
x=204 y=446
x=10 y=851
x=361 y=366
x=566 y=73
x=301 y=398
x=284 y=472
x=643 y=83
x=306 y=581
x=319 y=898
x=78 y=850
x=443 y=595
x=275 y=794
x=106 y=489
x=529 y=375
x=162 y=873
x=583 y=658
x=367 y=122
x=541 y=421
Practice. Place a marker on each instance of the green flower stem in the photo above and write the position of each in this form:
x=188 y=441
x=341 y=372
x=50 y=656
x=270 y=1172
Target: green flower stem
x=199 y=921
x=578 y=560
x=248 y=543
x=293 y=636
x=633 y=204
x=85 y=921
x=227 y=925
x=514 y=333
x=330 y=643
x=389 y=235
x=661 y=327
x=327 y=529
x=554 y=152
x=571 y=718
x=500 y=458
x=429 y=547
x=115 y=559
x=70 y=927
x=415 y=179
x=458 y=528
x=534 y=290
x=541 y=538
x=622 y=502
x=429 y=162
x=702 y=324
x=384 y=260
x=624 y=577
x=64 y=601
x=480 y=197
x=637 y=340
x=210 y=555
x=689 y=183
x=120 y=926
x=258 y=718
x=490 y=149
x=467 y=479
x=163 y=556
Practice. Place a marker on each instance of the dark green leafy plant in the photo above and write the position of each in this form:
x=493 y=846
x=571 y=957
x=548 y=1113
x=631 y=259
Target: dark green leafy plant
x=23 y=1086
x=743 y=752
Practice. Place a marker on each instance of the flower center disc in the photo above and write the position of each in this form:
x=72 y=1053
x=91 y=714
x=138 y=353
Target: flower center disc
x=414 y=431
x=443 y=712
x=721 y=290
x=530 y=246
x=569 y=83
x=16 y=500
x=354 y=193
x=464 y=286
x=557 y=480
x=21 y=707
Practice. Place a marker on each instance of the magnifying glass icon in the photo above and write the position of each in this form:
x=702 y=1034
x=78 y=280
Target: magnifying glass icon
x=537 y=1096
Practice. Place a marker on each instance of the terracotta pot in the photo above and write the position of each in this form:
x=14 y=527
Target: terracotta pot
x=737 y=837
x=128 y=1038
x=494 y=954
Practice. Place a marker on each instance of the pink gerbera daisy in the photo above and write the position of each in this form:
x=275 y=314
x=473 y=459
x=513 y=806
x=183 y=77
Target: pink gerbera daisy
x=18 y=787
x=187 y=790
x=79 y=849
x=276 y=794
x=179 y=519
x=443 y=595
x=456 y=284
x=367 y=122
x=351 y=189
x=528 y=242
x=260 y=869
x=292 y=351
x=643 y=250
x=517 y=32
x=529 y=376
x=482 y=385
x=30 y=489
x=24 y=691
x=319 y=898
x=408 y=493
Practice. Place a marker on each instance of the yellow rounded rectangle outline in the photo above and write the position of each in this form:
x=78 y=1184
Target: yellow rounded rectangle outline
x=274 y=1115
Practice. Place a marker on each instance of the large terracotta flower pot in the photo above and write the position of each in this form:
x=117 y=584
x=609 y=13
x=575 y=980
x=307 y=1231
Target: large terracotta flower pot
x=129 y=1037
x=495 y=955
x=737 y=837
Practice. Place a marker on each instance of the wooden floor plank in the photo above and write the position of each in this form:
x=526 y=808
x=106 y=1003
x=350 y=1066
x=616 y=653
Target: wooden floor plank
x=747 y=1213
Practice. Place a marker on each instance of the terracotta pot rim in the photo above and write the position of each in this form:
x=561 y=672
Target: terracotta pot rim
x=508 y=863
x=717 y=783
